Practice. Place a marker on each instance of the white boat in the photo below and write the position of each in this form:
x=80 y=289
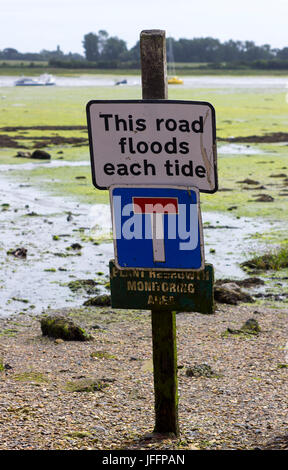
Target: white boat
x=43 y=80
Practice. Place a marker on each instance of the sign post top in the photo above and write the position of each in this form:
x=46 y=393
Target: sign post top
x=153 y=64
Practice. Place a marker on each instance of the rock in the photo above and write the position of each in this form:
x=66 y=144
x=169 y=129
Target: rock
x=18 y=253
x=60 y=327
x=279 y=175
x=76 y=246
x=231 y=294
x=32 y=214
x=251 y=282
x=249 y=181
x=250 y=327
x=99 y=301
x=5 y=206
x=89 y=286
x=264 y=198
x=248 y=282
x=59 y=341
x=200 y=370
x=41 y=155
x=254 y=188
x=98 y=327
x=23 y=155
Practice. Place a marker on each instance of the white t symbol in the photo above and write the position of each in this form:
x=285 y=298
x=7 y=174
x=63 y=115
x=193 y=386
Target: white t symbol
x=156 y=207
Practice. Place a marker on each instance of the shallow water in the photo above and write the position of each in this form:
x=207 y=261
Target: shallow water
x=37 y=164
x=239 y=149
x=33 y=288
x=26 y=279
x=203 y=81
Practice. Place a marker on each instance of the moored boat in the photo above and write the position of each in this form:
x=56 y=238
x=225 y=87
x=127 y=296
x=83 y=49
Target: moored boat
x=122 y=82
x=43 y=80
x=175 y=81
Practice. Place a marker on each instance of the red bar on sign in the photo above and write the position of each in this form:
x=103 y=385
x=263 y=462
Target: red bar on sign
x=155 y=205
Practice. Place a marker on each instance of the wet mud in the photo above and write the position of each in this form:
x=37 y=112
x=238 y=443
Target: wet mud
x=66 y=260
x=273 y=137
x=39 y=142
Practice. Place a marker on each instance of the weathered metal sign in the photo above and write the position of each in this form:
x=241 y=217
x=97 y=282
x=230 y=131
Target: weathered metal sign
x=157 y=228
x=161 y=142
x=186 y=291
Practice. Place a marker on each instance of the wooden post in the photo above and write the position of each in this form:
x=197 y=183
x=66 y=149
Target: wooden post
x=153 y=65
x=154 y=86
x=165 y=371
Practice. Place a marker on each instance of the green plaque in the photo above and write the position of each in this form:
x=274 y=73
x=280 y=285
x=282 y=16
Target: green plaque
x=185 y=291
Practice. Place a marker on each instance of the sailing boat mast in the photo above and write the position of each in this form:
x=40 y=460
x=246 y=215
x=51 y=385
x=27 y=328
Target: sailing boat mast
x=171 y=60
x=173 y=79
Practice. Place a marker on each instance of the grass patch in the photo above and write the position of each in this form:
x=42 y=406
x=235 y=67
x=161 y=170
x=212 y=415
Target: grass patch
x=102 y=355
x=9 y=332
x=31 y=376
x=274 y=260
x=241 y=113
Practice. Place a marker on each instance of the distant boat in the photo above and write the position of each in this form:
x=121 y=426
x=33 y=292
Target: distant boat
x=175 y=81
x=121 y=82
x=43 y=80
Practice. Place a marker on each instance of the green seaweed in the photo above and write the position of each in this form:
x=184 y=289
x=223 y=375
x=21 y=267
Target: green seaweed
x=63 y=328
x=86 y=385
x=274 y=260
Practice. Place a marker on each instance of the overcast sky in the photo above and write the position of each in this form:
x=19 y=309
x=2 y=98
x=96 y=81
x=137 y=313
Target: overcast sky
x=32 y=25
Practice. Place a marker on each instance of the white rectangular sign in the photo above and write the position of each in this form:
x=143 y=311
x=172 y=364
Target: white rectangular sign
x=159 y=142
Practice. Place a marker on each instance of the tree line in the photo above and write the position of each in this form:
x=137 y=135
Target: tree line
x=104 y=51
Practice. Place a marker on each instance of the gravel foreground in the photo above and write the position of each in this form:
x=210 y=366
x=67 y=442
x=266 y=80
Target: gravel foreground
x=243 y=406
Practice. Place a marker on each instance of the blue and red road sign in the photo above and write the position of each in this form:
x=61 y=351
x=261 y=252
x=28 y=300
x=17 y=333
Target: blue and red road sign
x=157 y=227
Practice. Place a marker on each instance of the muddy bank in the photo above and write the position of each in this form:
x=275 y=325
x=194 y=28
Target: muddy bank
x=42 y=128
x=49 y=226
x=50 y=230
x=7 y=141
x=272 y=137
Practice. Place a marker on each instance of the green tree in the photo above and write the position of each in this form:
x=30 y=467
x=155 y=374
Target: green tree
x=10 y=53
x=283 y=53
x=113 y=49
x=91 y=47
x=132 y=54
x=102 y=37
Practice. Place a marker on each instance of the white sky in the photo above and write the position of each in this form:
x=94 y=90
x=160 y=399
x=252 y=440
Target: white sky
x=32 y=25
